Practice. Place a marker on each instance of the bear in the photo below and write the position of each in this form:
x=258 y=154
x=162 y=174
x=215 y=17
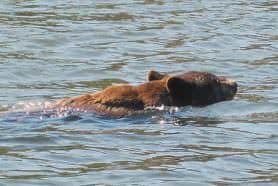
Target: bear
x=190 y=88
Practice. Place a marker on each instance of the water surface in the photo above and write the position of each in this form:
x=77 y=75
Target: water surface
x=54 y=49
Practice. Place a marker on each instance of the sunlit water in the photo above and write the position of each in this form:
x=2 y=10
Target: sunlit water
x=55 y=49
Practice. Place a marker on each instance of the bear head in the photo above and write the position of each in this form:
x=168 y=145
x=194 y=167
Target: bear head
x=196 y=88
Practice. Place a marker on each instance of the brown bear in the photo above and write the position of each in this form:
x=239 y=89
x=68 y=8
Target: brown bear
x=191 y=88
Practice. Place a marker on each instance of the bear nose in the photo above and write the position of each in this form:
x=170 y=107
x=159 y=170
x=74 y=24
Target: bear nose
x=233 y=85
x=229 y=87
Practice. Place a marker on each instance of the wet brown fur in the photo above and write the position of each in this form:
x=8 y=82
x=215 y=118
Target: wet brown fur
x=191 y=88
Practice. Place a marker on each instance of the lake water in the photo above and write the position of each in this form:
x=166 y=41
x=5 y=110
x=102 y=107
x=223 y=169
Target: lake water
x=55 y=49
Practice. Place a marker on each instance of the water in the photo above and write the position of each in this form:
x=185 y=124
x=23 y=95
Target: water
x=54 y=49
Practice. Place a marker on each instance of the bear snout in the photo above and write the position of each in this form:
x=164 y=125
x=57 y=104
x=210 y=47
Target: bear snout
x=229 y=88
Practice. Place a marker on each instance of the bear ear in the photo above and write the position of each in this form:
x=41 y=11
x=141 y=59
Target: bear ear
x=180 y=88
x=154 y=75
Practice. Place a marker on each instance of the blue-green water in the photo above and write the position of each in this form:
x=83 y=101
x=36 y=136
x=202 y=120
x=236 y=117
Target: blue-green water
x=54 y=49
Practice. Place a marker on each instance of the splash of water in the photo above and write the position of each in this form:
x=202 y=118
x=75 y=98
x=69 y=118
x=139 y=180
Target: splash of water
x=41 y=110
